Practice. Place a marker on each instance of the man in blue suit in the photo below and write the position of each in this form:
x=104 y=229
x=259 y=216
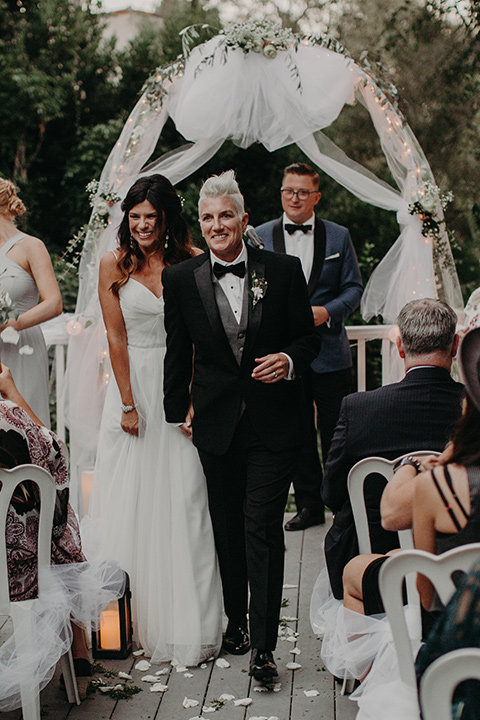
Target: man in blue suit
x=335 y=288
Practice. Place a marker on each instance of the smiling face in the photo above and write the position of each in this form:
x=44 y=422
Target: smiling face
x=222 y=227
x=299 y=211
x=143 y=223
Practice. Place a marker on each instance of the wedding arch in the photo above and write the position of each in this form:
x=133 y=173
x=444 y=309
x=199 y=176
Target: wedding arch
x=258 y=82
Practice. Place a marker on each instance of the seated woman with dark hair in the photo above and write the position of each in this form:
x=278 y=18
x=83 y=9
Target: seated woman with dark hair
x=24 y=440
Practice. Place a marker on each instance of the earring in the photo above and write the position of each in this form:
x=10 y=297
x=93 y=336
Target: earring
x=167 y=237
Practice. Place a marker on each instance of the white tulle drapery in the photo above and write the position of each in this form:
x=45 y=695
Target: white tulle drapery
x=249 y=98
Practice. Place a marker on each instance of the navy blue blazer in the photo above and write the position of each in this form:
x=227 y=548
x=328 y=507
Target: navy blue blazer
x=335 y=282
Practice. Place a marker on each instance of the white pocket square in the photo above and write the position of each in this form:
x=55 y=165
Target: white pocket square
x=332 y=257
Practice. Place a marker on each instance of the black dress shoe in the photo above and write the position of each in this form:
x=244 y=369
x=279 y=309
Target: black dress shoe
x=236 y=640
x=262 y=665
x=304 y=519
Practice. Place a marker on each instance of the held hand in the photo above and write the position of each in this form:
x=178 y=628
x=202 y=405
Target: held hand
x=186 y=427
x=129 y=422
x=271 y=368
x=320 y=315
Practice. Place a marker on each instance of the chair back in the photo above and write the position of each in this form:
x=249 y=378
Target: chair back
x=441 y=679
x=9 y=479
x=356 y=482
x=438 y=569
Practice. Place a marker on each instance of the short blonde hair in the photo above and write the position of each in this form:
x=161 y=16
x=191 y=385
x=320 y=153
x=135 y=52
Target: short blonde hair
x=10 y=203
x=223 y=185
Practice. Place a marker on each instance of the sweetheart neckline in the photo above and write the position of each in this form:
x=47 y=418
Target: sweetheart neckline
x=157 y=297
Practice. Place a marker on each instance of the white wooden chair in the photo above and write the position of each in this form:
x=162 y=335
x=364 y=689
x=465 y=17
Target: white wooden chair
x=442 y=677
x=20 y=612
x=356 y=481
x=438 y=569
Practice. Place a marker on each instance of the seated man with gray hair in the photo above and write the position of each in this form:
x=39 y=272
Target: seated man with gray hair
x=416 y=413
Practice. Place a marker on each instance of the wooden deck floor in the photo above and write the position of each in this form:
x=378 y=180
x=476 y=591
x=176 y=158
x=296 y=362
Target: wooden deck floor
x=304 y=560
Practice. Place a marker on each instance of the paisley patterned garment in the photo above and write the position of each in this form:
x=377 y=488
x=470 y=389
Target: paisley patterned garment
x=23 y=441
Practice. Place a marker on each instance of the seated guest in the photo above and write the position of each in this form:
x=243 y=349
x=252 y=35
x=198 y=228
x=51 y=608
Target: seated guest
x=457 y=627
x=414 y=414
x=444 y=514
x=24 y=440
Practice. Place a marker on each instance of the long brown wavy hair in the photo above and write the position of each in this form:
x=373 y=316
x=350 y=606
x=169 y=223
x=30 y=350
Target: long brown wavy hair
x=174 y=237
x=466 y=436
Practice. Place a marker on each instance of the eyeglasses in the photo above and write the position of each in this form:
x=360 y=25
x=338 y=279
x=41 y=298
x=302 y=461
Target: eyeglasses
x=288 y=193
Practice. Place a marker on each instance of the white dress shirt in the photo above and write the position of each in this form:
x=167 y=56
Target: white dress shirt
x=233 y=286
x=300 y=244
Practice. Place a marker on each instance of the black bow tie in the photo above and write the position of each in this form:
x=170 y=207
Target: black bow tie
x=290 y=228
x=220 y=270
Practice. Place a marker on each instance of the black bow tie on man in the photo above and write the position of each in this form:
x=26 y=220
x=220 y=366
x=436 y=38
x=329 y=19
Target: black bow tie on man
x=220 y=270
x=291 y=228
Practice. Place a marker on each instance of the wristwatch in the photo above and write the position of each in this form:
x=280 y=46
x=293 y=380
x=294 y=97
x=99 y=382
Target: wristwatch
x=409 y=460
x=127 y=408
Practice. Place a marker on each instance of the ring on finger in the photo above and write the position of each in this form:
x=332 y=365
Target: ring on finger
x=275 y=374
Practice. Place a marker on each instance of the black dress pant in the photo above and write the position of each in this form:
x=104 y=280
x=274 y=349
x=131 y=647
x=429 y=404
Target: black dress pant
x=324 y=393
x=247 y=493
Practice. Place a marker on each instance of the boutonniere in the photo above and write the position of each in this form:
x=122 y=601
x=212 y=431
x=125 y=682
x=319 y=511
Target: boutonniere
x=258 y=288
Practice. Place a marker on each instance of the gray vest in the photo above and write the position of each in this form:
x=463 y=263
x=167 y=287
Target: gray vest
x=235 y=332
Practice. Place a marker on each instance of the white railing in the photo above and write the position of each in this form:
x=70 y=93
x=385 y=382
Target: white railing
x=358 y=335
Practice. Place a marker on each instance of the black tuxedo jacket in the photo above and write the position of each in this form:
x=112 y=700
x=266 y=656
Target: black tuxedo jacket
x=200 y=364
x=416 y=413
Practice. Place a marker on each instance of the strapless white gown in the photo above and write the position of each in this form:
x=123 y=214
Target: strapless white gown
x=149 y=504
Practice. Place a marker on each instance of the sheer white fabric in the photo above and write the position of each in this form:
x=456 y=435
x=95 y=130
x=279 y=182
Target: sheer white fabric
x=74 y=591
x=149 y=504
x=354 y=645
x=250 y=98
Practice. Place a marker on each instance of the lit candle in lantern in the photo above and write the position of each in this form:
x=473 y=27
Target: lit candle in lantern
x=110 y=628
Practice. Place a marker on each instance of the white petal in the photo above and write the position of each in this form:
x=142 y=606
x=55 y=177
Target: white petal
x=10 y=335
x=311 y=693
x=243 y=702
x=163 y=671
x=106 y=688
x=188 y=703
x=181 y=668
x=158 y=687
x=118 y=687
x=293 y=666
x=150 y=678
x=289 y=587
x=196 y=718
x=292 y=639
x=26 y=350
x=142 y=665
x=226 y=697
x=273 y=717
x=187 y=675
x=287 y=618
x=277 y=687
x=203 y=666
x=259 y=717
x=124 y=676
x=222 y=663
x=259 y=688
x=295 y=651
x=207 y=709
x=138 y=653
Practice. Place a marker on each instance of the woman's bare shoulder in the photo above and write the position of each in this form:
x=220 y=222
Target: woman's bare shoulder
x=197 y=251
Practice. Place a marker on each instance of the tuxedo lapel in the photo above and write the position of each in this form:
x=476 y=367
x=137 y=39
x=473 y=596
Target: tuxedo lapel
x=254 y=313
x=278 y=237
x=203 y=279
x=319 y=243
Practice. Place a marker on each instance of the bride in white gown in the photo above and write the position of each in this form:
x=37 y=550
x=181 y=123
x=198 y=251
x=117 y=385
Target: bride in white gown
x=149 y=500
